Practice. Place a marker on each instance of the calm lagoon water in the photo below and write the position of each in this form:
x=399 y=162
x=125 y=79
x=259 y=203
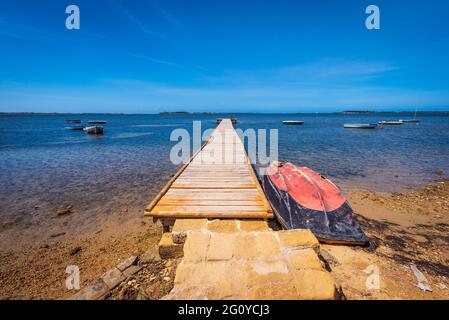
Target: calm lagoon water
x=44 y=166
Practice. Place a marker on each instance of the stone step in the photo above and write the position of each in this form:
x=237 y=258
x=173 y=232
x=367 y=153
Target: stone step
x=251 y=265
x=183 y=226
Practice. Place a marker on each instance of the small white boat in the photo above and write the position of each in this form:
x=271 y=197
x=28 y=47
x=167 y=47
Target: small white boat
x=75 y=128
x=293 y=122
x=96 y=130
x=97 y=122
x=390 y=123
x=361 y=126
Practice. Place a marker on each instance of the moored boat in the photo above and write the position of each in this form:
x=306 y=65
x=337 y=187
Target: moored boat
x=390 y=123
x=97 y=122
x=73 y=121
x=95 y=130
x=303 y=199
x=293 y=122
x=75 y=128
x=414 y=120
x=361 y=126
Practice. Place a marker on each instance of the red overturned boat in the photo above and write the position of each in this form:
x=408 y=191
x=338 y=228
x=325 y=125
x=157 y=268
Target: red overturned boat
x=304 y=199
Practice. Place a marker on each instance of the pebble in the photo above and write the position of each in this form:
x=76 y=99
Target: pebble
x=167 y=279
x=130 y=283
x=75 y=251
x=65 y=210
x=57 y=235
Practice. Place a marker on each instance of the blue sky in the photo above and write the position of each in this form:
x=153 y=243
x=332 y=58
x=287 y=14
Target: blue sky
x=146 y=56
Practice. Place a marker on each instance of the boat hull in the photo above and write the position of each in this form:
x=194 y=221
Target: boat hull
x=293 y=123
x=75 y=128
x=97 y=122
x=361 y=126
x=302 y=199
x=390 y=123
x=94 y=130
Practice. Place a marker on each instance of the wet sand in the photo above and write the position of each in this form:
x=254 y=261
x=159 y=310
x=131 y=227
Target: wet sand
x=403 y=229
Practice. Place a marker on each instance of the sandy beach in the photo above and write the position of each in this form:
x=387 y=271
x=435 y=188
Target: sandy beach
x=402 y=228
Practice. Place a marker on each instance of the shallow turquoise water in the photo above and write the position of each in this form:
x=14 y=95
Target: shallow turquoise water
x=43 y=165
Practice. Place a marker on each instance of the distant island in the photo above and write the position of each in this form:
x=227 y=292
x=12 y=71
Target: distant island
x=187 y=112
x=395 y=112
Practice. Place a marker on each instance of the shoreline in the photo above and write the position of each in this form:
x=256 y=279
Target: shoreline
x=402 y=227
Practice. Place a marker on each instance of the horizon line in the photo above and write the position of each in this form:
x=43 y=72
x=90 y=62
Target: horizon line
x=212 y=113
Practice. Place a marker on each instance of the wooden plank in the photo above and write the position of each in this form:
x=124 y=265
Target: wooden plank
x=187 y=179
x=214 y=215
x=207 y=191
x=212 y=186
x=208 y=202
x=215 y=175
x=212 y=197
x=199 y=209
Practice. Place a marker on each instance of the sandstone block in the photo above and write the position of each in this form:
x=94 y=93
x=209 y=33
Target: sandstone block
x=227 y=278
x=183 y=226
x=298 y=239
x=185 y=271
x=213 y=280
x=221 y=247
x=315 y=285
x=304 y=259
x=273 y=291
x=222 y=226
x=256 y=245
x=195 y=248
x=254 y=225
x=264 y=272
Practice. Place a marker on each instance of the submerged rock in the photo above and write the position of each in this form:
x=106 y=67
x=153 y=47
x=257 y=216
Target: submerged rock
x=65 y=210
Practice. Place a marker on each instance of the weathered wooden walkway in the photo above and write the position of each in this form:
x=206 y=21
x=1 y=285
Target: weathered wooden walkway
x=217 y=182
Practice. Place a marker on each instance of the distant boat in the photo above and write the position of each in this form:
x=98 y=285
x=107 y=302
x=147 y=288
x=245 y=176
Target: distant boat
x=361 y=126
x=390 y=123
x=72 y=121
x=75 y=128
x=97 y=122
x=293 y=122
x=96 y=130
x=414 y=120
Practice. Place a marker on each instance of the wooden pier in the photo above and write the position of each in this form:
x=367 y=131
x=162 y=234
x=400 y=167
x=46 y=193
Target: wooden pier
x=217 y=182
